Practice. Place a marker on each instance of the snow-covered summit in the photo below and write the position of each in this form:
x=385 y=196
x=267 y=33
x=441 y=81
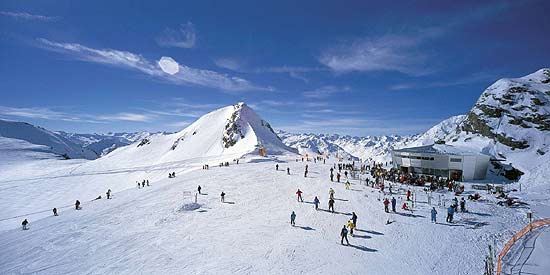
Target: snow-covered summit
x=56 y=143
x=226 y=133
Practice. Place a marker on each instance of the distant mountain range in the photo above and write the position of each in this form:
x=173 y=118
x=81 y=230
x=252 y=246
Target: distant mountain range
x=510 y=121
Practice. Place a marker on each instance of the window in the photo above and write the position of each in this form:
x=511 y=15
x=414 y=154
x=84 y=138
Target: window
x=456 y=160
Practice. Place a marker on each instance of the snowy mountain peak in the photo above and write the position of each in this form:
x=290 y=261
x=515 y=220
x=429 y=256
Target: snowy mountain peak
x=513 y=112
x=227 y=133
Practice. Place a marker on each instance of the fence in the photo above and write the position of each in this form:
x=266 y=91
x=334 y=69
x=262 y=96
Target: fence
x=516 y=237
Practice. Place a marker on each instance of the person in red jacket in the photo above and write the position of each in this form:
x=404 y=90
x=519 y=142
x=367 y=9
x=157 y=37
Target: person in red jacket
x=386 y=205
x=299 y=193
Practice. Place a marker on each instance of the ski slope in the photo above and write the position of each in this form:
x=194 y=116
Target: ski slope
x=154 y=230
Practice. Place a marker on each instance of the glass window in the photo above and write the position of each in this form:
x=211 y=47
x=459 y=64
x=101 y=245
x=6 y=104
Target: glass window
x=456 y=160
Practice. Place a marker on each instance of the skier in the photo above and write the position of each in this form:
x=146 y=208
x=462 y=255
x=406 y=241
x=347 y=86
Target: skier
x=462 y=205
x=347 y=185
x=292 y=218
x=108 y=194
x=354 y=219
x=331 y=205
x=408 y=195
x=316 y=202
x=288 y=170
x=199 y=189
x=77 y=205
x=331 y=193
x=147 y=182
x=55 y=211
x=331 y=176
x=434 y=215
x=386 y=203
x=143 y=184
x=351 y=226
x=405 y=206
x=139 y=185
x=299 y=193
x=393 y=203
x=346 y=174
x=277 y=167
x=222 y=196
x=450 y=213
x=24 y=224
x=344 y=234
x=338 y=177
x=305 y=173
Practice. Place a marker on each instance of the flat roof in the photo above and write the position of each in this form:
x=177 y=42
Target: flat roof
x=440 y=149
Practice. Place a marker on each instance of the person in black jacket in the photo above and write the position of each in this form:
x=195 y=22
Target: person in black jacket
x=344 y=234
x=24 y=224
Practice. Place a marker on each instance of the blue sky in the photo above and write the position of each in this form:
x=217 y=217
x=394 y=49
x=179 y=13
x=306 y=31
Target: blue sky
x=353 y=67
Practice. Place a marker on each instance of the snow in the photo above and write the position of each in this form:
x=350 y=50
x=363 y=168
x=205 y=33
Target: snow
x=160 y=228
x=36 y=135
x=149 y=233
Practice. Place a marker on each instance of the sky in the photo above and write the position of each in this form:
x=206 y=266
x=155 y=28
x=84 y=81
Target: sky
x=347 y=67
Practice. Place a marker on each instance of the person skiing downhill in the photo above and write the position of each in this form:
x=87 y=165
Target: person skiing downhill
x=338 y=177
x=108 y=194
x=222 y=196
x=199 y=189
x=386 y=204
x=77 y=205
x=347 y=185
x=299 y=193
x=434 y=215
x=331 y=204
x=344 y=234
x=393 y=203
x=331 y=193
x=354 y=219
x=351 y=226
x=55 y=211
x=331 y=176
x=288 y=170
x=277 y=167
x=408 y=195
x=24 y=224
x=292 y=218
x=316 y=202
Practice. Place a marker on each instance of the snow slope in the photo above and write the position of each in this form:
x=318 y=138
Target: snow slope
x=156 y=229
x=36 y=135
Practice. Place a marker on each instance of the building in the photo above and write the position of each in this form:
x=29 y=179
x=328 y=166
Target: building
x=442 y=160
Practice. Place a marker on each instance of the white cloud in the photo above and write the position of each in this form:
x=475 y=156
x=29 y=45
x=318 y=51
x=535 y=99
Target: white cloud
x=325 y=91
x=229 y=63
x=28 y=16
x=184 y=37
x=169 y=65
x=470 y=79
x=42 y=113
x=185 y=76
x=135 y=117
x=398 y=53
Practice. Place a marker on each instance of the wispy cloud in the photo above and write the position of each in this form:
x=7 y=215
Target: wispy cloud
x=184 y=37
x=185 y=75
x=398 y=53
x=135 y=117
x=470 y=79
x=239 y=65
x=325 y=91
x=43 y=113
x=28 y=16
